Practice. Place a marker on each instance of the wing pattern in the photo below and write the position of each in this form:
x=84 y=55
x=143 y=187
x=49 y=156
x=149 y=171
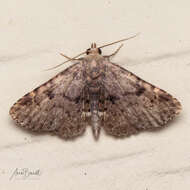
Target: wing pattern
x=54 y=106
x=133 y=105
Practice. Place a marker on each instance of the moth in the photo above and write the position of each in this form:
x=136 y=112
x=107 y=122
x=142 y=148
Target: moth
x=96 y=92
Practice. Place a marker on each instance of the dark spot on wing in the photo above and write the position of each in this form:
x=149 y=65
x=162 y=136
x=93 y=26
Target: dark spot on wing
x=138 y=79
x=77 y=99
x=140 y=91
x=87 y=101
x=112 y=99
x=50 y=94
x=164 y=97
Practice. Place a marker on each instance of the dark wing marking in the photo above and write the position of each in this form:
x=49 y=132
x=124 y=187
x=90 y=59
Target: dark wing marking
x=133 y=104
x=55 y=106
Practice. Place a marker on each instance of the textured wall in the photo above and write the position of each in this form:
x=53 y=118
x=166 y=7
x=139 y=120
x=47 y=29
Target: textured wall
x=34 y=32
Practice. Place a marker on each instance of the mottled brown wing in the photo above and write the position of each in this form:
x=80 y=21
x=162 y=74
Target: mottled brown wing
x=133 y=104
x=55 y=106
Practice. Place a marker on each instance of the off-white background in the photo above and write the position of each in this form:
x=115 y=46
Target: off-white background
x=32 y=33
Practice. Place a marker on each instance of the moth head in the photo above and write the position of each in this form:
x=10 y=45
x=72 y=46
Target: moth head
x=93 y=50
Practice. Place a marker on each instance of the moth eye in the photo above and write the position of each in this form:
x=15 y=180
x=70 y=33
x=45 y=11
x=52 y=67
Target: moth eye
x=99 y=51
x=87 y=51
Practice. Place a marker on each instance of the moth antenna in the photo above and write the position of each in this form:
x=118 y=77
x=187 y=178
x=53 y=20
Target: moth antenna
x=65 y=56
x=119 y=41
x=66 y=61
x=97 y=47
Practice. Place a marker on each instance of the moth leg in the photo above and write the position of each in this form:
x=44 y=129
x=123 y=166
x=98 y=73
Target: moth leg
x=69 y=58
x=115 y=52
